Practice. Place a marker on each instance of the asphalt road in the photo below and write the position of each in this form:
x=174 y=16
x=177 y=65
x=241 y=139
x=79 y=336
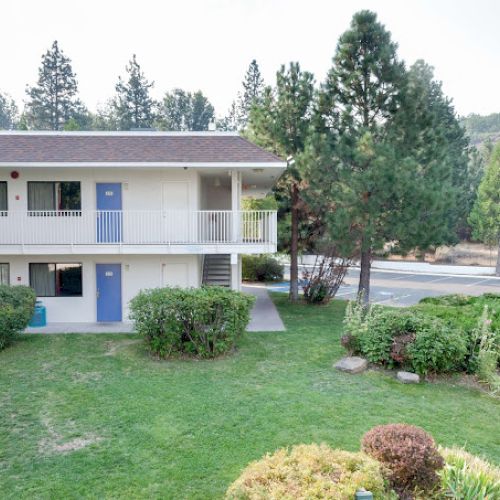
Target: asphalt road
x=404 y=289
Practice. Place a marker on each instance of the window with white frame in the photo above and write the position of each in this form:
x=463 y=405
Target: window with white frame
x=56 y=280
x=61 y=197
x=4 y=274
x=4 y=206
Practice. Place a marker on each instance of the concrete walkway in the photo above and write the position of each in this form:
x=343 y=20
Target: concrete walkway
x=117 y=327
x=265 y=316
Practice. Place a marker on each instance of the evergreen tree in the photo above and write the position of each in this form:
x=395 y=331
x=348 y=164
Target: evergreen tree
x=280 y=123
x=181 y=110
x=202 y=112
x=53 y=100
x=253 y=87
x=230 y=122
x=485 y=217
x=133 y=106
x=8 y=112
x=384 y=151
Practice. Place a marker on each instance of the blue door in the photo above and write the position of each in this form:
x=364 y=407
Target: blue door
x=109 y=212
x=109 y=292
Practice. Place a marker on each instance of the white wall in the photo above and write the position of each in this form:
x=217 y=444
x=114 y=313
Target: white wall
x=138 y=272
x=141 y=190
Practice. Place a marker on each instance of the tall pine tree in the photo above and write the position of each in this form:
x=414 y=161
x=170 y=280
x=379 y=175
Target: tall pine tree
x=133 y=106
x=384 y=150
x=280 y=123
x=53 y=100
x=253 y=88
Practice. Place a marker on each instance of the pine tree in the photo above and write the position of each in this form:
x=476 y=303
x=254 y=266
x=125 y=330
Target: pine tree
x=202 y=112
x=253 y=87
x=384 y=151
x=230 y=122
x=8 y=112
x=280 y=123
x=133 y=106
x=485 y=217
x=53 y=100
x=181 y=110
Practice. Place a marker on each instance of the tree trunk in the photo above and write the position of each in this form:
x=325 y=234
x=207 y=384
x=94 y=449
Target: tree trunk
x=294 y=246
x=364 y=276
x=497 y=270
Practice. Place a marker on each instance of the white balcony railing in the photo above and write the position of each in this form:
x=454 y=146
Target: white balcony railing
x=138 y=227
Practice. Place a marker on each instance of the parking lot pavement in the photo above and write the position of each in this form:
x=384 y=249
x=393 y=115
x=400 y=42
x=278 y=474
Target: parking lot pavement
x=403 y=289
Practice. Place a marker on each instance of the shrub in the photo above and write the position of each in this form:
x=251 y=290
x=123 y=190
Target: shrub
x=203 y=322
x=309 y=471
x=467 y=477
x=404 y=337
x=261 y=268
x=17 y=304
x=410 y=455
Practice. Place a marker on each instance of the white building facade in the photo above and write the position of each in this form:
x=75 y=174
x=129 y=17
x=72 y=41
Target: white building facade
x=88 y=219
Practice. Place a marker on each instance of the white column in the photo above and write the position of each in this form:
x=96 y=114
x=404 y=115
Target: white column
x=235 y=203
x=235 y=271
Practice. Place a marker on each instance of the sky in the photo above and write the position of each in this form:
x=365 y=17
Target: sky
x=208 y=44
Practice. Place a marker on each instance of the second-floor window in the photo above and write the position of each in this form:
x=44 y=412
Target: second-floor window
x=3 y=198
x=60 y=196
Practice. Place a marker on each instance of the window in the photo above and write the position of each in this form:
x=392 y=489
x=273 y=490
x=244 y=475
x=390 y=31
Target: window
x=3 y=198
x=4 y=274
x=54 y=196
x=56 y=280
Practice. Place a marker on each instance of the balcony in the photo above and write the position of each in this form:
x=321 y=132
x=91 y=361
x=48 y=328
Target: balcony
x=138 y=231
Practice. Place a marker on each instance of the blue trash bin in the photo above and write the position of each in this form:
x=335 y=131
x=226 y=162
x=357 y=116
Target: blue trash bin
x=39 y=317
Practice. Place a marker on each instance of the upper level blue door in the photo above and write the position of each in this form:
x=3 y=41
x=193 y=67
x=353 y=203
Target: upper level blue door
x=109 y=292
x=109 y=212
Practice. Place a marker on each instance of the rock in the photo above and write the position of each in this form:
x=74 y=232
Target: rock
x=351 y=364
x=408 y=377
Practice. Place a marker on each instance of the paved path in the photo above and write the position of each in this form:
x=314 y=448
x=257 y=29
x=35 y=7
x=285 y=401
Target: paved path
x=395 y=288
x=265 y=316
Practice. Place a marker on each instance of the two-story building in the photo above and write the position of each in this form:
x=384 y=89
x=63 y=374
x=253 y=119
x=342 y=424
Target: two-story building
x=90 y=218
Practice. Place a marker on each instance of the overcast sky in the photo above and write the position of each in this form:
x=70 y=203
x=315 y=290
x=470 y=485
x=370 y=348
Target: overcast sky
x=208 y=44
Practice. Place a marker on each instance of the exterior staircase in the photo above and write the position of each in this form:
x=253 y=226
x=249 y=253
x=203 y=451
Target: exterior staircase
x=217 y=270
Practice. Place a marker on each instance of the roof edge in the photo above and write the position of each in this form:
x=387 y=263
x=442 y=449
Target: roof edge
x=118 y=133
x=151 y=164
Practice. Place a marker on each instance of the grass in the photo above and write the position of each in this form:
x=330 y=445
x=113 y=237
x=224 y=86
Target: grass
x=94 y=416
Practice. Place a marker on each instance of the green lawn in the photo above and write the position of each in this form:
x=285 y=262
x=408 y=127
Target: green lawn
x=185 y=429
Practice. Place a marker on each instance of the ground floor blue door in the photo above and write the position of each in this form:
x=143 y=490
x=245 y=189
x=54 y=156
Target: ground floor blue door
x=109 y=212
x=109 y=292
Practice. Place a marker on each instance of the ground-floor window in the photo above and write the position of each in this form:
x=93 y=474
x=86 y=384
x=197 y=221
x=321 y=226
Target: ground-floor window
x=56 y=280
x=3 y=198
x=4 y=274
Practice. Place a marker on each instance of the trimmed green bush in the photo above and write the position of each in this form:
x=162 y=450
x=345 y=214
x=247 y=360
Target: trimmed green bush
x=307 y=472
x=409 y=454
x=201 y=322
x=467 y=477
x=405 y=338
x=261 y=268
x=17 y=304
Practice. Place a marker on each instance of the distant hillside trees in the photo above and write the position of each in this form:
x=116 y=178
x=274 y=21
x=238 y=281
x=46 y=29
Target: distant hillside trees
x=8 y=112
x=482 y=129
x=485 y=217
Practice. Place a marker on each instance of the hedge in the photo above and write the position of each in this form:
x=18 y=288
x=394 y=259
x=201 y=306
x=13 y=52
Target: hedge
x=17 y=304
x=200 y=322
